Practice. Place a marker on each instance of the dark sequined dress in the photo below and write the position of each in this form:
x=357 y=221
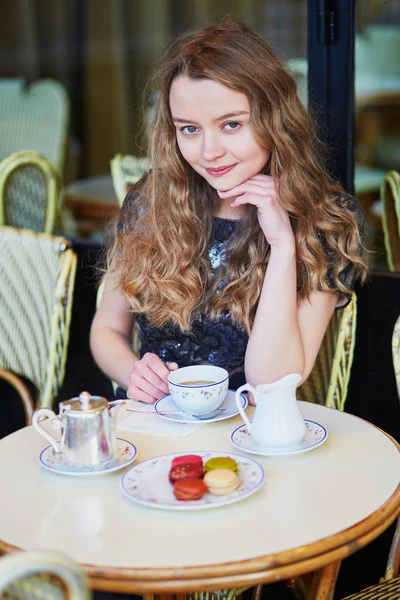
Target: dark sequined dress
x=212 y=340
x=216 y=341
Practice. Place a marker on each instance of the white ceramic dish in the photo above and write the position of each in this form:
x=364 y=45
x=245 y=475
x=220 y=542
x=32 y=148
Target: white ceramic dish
x=207 y=389
x=54 y=462
x=316 y=435
x=167 y=409
x=147 y=483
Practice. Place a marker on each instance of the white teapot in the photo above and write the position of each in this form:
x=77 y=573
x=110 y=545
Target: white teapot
x=277 y=421
x=88 y=430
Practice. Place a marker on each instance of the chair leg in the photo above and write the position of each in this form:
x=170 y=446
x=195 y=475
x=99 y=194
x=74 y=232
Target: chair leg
x=22 y=391
x=323 y=582
x=256 y=592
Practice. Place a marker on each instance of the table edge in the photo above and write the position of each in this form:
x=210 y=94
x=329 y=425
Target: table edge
x=264 y=569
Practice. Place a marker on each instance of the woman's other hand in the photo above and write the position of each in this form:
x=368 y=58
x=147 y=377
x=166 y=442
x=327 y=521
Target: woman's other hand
x=148 y=381
x=260 y=191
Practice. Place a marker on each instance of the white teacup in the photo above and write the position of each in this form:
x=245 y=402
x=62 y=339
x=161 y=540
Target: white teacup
x=199 y=389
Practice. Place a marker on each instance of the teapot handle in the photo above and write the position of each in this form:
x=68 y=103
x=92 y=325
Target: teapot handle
x=238 y=400
x=55 y=421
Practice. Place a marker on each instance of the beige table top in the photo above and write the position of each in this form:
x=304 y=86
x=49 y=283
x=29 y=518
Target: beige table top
x=314 y=508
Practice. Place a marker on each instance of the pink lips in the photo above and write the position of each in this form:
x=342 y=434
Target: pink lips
x=220 y=171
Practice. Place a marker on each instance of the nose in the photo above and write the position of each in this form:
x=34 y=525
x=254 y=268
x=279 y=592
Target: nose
x=212 y=147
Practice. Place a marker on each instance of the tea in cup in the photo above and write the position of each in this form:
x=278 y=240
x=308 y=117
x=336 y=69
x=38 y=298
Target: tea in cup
x=199 y=389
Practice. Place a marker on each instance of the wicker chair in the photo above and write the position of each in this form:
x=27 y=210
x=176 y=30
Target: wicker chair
x=126 y=170
x=390 y=197
x=37 y=274
x=42 y=575
x=328 y=381
x=30 y=192
x=389 y=586
x=34 y=117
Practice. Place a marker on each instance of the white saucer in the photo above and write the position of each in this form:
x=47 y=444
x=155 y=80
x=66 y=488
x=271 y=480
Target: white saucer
x=147 y=483
x=53 y=461
x=316 y=435
x=164 y=405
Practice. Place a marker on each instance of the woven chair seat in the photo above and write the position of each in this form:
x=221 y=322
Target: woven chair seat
x=388 y=590
x=41 y=586
x=42 y=575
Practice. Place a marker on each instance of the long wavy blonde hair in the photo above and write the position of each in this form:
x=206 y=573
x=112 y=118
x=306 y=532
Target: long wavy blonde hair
x=161 y=258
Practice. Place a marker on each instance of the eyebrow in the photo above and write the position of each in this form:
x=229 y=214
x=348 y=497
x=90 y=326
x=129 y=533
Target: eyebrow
x=236 y=113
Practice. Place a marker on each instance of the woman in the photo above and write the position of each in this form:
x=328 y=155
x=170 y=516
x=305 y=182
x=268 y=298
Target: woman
x=238 y=247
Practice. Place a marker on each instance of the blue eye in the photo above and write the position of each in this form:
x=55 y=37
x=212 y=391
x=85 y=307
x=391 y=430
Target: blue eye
x=189 y=129
x=232 y=125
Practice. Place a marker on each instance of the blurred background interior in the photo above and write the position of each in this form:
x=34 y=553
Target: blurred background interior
x=74 y=118
x=73 y=78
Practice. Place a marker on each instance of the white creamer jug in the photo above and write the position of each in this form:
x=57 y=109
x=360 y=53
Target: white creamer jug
x=277 y=421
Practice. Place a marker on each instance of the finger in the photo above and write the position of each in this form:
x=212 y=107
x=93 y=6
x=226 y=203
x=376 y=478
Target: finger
x=149 y=375
x=140 y=379
x=156 y=364
x=134 y=393
x=266 y=178
x=248 y=187
x=147 y=372
x=172 y=366
x=254 y=199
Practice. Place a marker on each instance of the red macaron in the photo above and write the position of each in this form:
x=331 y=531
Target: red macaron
x=185 y=470
x=190 y=488
x=187 y=459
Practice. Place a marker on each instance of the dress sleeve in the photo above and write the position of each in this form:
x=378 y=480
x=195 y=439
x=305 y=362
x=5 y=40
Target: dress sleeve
x=350 y=274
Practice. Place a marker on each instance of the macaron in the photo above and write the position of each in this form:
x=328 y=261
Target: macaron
x=187 y=459
x=185 y=470
x=221 y=462
x=221 y=481
x=190 y=488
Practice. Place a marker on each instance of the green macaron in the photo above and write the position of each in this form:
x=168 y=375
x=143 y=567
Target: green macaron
x=221 y=462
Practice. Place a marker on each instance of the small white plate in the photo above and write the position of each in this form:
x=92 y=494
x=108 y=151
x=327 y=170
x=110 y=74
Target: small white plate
x=164 y=407
x=147 y=483
x=53 y=461
x=316 y=435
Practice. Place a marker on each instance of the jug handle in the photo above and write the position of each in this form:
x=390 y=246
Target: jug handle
x=55 y=421
x=238 y=400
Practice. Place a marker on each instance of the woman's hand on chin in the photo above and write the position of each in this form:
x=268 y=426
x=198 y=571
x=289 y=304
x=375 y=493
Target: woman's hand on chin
x=148 y=381
x=260 y=191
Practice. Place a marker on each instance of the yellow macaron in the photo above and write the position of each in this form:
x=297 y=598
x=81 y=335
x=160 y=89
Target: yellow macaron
x=221 y=481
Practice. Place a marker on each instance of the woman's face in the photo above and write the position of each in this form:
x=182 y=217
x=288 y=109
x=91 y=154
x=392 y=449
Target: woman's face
x=213 y=132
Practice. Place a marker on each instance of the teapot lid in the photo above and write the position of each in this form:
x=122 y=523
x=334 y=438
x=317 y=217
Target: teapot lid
x=85 y=402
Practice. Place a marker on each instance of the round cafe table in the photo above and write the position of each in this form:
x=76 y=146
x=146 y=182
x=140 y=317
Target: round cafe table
x=313 y=510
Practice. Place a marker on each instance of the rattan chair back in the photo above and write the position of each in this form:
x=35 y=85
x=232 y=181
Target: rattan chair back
x=38 y=575
x=34 y=117
x=30 y=192
x=389 y=586
x=37 y=274
x=396 y=352
x=390 y=197
x=328 y=381
x=126 y=170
